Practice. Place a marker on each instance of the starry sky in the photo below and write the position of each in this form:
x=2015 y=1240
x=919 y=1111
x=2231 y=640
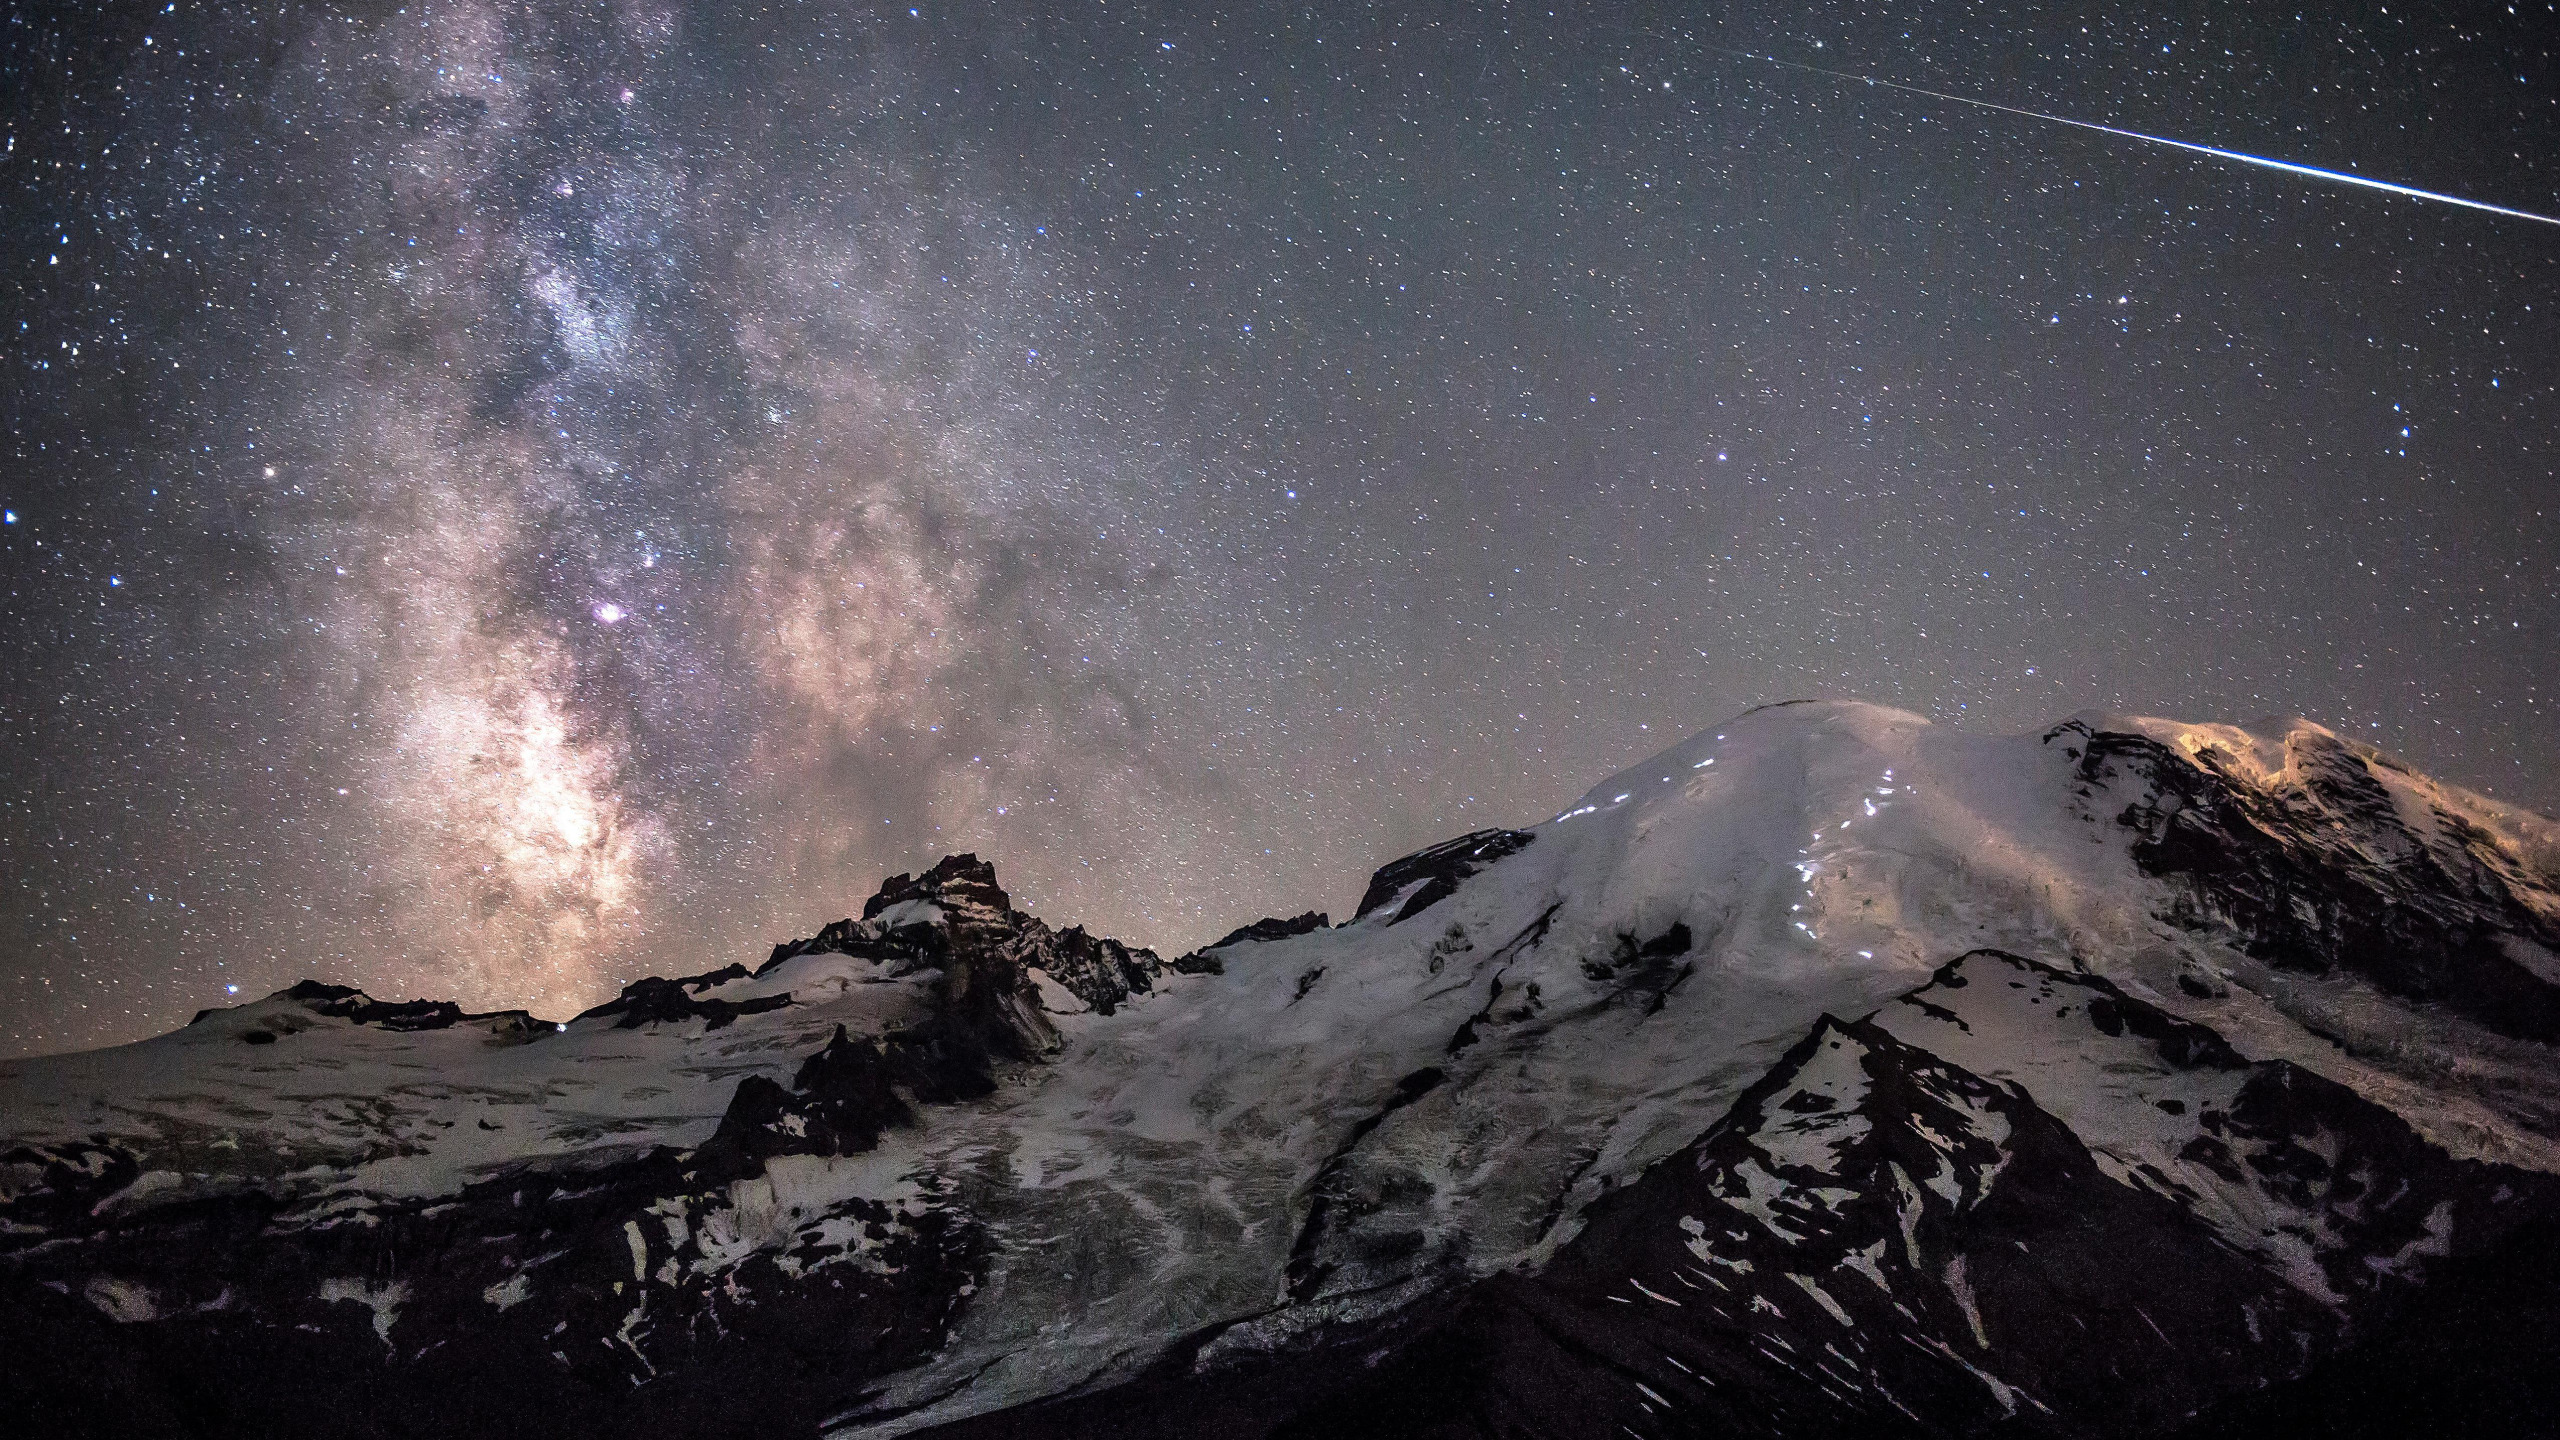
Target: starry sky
x=506 y=496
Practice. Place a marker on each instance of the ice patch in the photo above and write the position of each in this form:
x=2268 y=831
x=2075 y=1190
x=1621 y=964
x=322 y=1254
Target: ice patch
x=1870 y=1263
x=1651 y=1293
x=122 y=1301
x=1962 y=1289
x=908 y=912
x=1822 y=1297
x=1055 y=998
x=384 y=1301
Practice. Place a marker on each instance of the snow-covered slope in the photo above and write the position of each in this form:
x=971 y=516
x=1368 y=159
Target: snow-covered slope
x=1774 y=1032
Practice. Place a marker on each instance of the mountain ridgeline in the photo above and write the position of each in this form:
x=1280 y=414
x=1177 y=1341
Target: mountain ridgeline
x=1829 y=1074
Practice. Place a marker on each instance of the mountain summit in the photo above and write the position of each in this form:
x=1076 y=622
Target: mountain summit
x=1827 y=1074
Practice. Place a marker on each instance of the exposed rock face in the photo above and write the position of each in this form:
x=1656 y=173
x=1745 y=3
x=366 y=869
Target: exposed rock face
x=1273 y=928
x=1825 y=1075
x=354 y=1004
x=1209 y=961
x=655 y=1001
x=958 y=915
x=1426 y=877
x=1095 y=969
x=838 y=1104
x=345 y=1002
x=2322 y=864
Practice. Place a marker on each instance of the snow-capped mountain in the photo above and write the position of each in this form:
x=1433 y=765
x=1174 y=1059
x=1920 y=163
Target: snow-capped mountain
x=1829 y=1073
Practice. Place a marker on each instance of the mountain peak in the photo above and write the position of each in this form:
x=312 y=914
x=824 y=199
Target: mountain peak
x=1830 y=1070
x=958 y=882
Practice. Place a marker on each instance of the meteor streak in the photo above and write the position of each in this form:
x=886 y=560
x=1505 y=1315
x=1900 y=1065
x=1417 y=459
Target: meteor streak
x=2287 y=166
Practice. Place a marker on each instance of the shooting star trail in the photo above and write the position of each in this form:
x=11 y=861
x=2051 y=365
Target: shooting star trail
x=2287 y=166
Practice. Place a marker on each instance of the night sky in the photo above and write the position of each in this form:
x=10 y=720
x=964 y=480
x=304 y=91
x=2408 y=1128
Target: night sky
x=503 y=498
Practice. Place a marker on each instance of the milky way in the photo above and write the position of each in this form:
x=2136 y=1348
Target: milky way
x=508 y=497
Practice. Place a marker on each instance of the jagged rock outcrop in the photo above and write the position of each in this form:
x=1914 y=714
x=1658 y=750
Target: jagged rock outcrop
x=1272 y=928
x=995 y=957
x=1424 y=878
x=657 y=1001
x=1207 y=960
x=345 y=1002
